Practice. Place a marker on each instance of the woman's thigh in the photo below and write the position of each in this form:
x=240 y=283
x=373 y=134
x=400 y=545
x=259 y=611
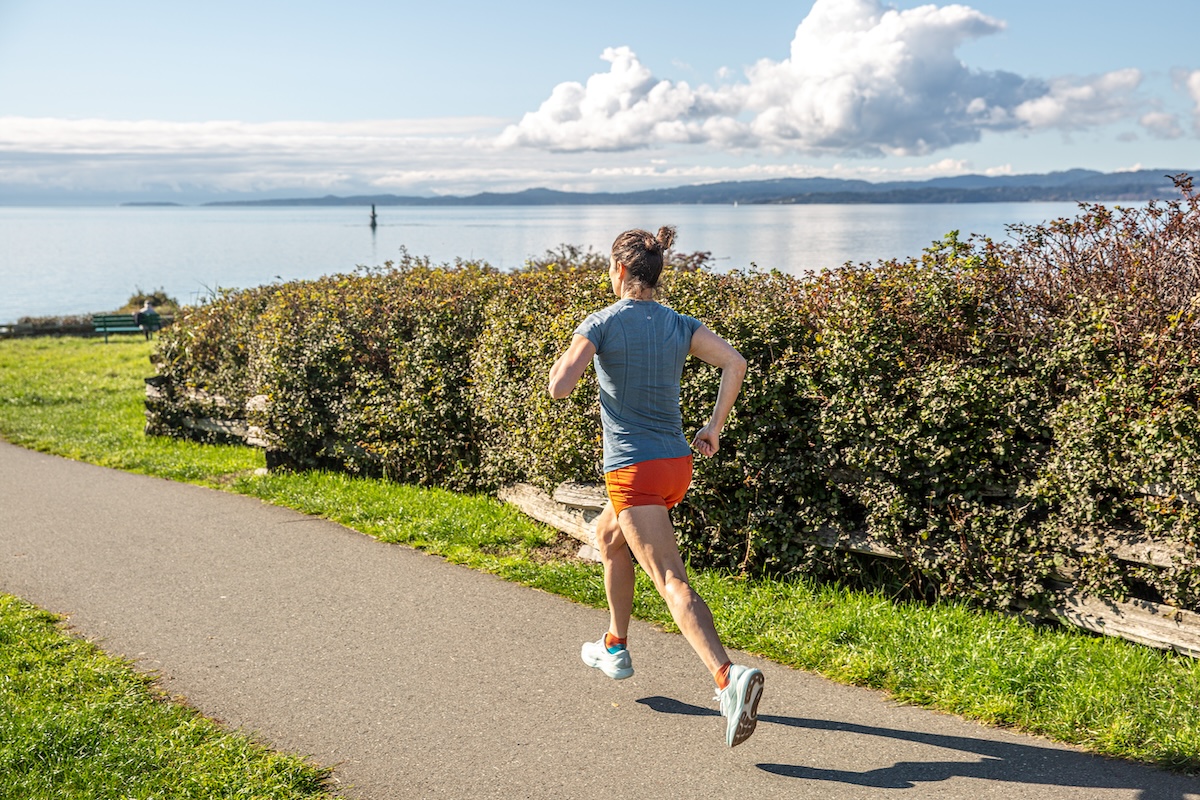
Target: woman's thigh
x=651 y=536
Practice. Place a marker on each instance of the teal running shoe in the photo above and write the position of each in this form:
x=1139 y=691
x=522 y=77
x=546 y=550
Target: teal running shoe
x=617 y=666
x=739 y=703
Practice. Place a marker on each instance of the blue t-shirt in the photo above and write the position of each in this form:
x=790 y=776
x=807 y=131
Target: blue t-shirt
x=640 y=350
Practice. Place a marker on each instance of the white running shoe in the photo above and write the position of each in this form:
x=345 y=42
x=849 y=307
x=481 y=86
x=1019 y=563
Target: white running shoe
x=617 y=666
x=739 y=703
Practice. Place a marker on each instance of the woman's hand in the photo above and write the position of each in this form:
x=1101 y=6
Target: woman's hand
x=707 y=441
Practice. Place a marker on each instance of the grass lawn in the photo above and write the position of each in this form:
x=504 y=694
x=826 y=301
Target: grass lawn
x=82 y=399
x=76 y=723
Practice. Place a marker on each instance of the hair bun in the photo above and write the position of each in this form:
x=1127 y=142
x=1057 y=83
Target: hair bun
x=666 y=237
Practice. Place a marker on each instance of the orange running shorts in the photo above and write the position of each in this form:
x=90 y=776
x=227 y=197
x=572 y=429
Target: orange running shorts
x=661 y=482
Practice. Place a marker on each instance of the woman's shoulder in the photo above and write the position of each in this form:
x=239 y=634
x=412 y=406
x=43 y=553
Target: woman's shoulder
x=678 y=316
x=598 y=319
x=609 y=311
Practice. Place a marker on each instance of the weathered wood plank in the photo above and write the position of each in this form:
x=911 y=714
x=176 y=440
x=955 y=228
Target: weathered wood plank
x=1138 y=550
x=1134 y=549
x=1161 y=626
x=856 y=542
x=1168 y=491
x=587 y=496
x=236 y=428
x=535 y=503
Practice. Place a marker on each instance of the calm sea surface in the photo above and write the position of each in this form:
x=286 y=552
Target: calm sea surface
x=78 y=260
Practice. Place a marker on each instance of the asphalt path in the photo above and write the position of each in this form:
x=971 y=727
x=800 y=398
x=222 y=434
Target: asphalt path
x=416 y=678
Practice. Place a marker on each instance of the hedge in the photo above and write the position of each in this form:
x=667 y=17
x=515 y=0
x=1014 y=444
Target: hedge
x=1002 y=414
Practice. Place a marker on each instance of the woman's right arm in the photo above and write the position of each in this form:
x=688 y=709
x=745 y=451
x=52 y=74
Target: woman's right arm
x=570 y=366
x=712 y=349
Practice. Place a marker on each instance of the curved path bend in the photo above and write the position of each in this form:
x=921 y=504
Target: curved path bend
x=393 y=665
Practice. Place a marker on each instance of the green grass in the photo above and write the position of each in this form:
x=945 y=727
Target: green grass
x=1106 y=695
x=82 y=398
x=77 y=723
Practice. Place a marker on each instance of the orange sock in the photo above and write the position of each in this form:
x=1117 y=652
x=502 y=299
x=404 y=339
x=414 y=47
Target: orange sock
x=613 y=644
x=722 y=676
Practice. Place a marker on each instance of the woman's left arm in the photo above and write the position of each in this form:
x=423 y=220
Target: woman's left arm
x=712 y=349
x=570 y=366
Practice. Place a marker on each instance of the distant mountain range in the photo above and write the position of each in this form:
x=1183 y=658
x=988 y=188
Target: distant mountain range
x=1077 y=185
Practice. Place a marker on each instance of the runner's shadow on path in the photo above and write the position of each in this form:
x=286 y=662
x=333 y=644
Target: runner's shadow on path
x=1008 y=762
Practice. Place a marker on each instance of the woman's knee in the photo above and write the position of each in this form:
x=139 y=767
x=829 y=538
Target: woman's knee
x=609 y=538
x=611 y=549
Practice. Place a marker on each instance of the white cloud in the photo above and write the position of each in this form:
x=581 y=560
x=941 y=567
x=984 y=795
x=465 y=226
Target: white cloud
x=671 y=175
x=190 y=162
x=865 y=78
x=1162 y=125
x=235 y=156
x=861 y=78
x=1191 y=82
x=619 y=109
x=372 y=137
x=1074 y=104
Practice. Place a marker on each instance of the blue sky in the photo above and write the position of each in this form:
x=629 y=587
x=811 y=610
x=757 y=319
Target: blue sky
x=189 y=100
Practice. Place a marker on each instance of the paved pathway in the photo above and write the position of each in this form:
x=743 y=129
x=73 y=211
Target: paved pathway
x=390 y=664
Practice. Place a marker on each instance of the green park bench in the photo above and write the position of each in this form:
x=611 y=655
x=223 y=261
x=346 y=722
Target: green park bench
x=123 y=323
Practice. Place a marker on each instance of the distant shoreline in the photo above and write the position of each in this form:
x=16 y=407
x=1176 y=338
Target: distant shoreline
x=888 y=198
x=1070 y=186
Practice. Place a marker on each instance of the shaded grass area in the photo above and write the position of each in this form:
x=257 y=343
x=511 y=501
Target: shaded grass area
x=1106 y=695
x=77 y=723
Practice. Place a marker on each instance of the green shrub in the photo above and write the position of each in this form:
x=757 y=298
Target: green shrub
x=768 y=492
x=530 y=437
x=370 y=372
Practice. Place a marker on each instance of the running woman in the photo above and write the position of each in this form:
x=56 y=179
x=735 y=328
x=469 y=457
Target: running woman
x=639 y=348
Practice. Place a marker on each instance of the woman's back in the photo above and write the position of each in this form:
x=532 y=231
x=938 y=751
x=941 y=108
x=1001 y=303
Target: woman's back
x=641 y=347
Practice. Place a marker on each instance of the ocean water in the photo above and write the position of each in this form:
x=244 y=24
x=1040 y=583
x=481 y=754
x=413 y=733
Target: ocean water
x=57 y=260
